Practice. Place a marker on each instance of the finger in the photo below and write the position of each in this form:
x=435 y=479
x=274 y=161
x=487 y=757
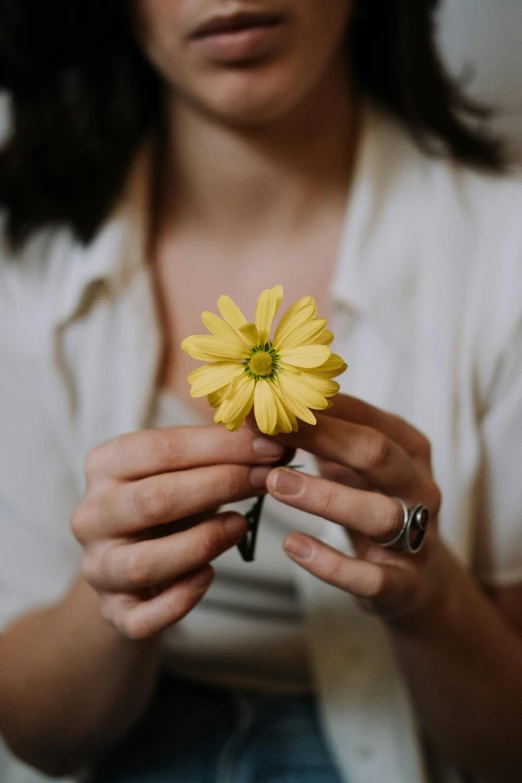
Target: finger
x=380 y=461
x=134 y=566
x=129 y=509
x=142 y=619
x=369 y=513
x=147 y=453
x=386 y=586
x=394 y=427
x=341 y=474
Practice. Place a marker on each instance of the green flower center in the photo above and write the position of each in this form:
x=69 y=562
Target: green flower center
x=262 y=363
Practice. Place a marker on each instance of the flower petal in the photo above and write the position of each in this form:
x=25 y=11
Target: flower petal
x=305 y=333
x=295 y=405
x=249 y=334
x=306 y=356
x=322 y=385
x=333 y=367
x=298 y=313
x=208 y=379
x=326 y=338
x=215 y=347
x=197 y=353
x=300 y=390
x=265 y=407
x=238 y=404
x=221 y=329
x=231 y=312
x=267 y=306
x=286 y=421
x=216 y=398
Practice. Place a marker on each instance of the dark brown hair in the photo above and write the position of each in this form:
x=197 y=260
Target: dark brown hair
x=83 y=98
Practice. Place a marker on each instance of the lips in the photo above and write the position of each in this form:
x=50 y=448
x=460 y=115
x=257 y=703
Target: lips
x=240 y=39
x=233 y=23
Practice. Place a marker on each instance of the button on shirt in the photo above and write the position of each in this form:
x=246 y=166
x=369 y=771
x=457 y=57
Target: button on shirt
x=427 y=302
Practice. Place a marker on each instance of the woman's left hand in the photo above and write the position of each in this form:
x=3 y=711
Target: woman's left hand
x=367 y=458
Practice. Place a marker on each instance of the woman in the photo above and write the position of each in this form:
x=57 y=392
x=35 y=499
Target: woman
x=194 y=149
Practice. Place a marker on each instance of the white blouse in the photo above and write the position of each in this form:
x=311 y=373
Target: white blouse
x=427 y=298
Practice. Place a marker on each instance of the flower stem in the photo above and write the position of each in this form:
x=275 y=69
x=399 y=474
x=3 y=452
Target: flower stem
x=248 y=544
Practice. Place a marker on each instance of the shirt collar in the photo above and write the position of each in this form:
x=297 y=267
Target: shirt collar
x=116 y=252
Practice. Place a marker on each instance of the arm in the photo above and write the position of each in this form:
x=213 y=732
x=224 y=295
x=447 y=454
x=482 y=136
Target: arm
x=70 y=682
x=463 y=663
x=75 y=676
x=461 y=655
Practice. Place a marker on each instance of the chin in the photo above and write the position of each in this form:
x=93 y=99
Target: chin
x=248 y=99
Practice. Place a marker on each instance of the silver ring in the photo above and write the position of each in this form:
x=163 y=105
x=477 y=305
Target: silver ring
x=410 y=537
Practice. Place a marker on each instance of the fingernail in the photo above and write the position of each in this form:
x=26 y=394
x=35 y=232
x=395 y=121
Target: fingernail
x=202 y=579
x=264 y=447
x=298 y=547
x=288 y=482
x=258 y=477
x=235 y=526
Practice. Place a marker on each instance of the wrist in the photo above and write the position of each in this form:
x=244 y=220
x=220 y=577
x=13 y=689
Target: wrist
x=80 y=614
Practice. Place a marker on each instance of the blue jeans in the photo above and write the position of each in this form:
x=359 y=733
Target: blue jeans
x=196 y=733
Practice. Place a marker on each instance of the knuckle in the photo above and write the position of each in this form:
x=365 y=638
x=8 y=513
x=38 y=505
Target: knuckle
x=78 y=522
x=150 y=501
x=166 y=447
x=422 y=447
x=231 y=483
x=377 y=451
x=326 y=498
x=433 y=498
x=334 y=571
x=375 y=584
x=363 y=412
x=212 y=541
x=139 y=571
x=107 y=609
x=181 y=605
x=134 y=627
x=90 y=567
x=94 y=462
x=389 y=520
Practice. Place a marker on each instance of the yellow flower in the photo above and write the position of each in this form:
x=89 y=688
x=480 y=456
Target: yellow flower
x=283 y=379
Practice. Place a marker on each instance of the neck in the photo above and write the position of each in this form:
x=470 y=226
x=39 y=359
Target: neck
x=259 y=178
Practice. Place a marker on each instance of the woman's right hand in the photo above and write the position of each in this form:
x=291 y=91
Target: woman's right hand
x=148 y=522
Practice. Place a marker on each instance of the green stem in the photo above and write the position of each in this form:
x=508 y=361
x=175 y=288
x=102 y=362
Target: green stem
x=248 y=544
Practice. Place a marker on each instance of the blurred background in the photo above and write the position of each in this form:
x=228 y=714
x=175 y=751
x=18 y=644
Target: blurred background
x=482 y=43
x=482 y=40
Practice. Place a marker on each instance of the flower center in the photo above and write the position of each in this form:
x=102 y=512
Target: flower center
x=261 y=364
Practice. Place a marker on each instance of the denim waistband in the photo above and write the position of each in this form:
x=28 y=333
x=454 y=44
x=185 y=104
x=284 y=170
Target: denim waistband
x=194 y=733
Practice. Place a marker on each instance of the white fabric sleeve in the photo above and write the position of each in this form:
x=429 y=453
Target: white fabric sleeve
x=39 y=556
x=499 y=537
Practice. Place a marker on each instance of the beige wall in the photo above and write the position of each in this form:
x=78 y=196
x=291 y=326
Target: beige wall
x=486 y=36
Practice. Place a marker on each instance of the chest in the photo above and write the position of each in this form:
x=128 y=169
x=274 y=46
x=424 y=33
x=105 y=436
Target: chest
x=190 y=277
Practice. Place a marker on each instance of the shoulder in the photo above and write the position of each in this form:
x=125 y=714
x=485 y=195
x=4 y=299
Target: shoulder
x=477 y=240
x=478 y=221
x=460 y=231
x=467 y=223
x=478 y=202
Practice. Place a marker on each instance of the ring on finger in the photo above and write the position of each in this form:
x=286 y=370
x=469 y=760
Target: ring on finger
x=410 y=537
